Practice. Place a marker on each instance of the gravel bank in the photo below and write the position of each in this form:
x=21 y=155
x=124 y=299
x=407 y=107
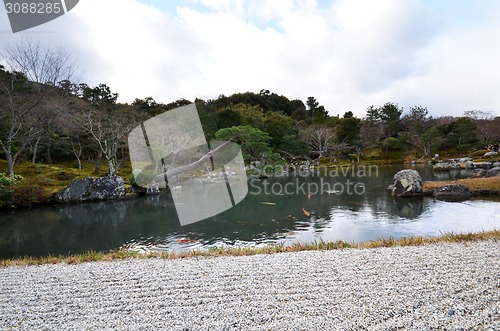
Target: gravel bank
x=445 y=286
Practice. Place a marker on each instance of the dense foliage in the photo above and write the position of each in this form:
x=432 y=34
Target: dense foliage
x=57 y=120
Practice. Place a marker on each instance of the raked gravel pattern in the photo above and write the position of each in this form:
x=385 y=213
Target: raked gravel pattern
x=435 y=287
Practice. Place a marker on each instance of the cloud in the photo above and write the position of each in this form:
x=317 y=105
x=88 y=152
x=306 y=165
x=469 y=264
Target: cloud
x=349 y=54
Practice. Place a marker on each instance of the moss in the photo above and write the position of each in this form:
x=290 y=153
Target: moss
x=57 y=176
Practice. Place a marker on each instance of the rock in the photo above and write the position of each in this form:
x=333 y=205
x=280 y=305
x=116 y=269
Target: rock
x=87 y=189
x=496 y=164
x=153 y=189
x=486 y=191
x=491 y=154
x=407 y=183
x=465 y=163
x=137 y=190
x=446 y=166
x=493 y=172
x=455 y=192
x=131 y=195
x=76 y=191
x=428 y=193
x=481 y=165
x=477 y=173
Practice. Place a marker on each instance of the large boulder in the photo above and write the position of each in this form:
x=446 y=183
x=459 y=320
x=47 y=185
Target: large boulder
x=481 y=165
x=465 y=163
x=493 y=172
x=491 y=154
x=87 y=189
x=407 y=183
x=477 y=173
x=454 y=192
x=446 y=166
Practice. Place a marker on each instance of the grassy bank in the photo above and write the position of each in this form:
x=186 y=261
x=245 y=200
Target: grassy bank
x=271 y=249
x=474 y=184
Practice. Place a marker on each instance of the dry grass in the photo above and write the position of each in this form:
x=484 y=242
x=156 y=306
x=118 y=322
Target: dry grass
x=271 y=249
x=474 y=184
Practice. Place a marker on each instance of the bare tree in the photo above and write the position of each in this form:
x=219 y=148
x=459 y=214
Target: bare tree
x=321 y=139
x=488 y=126
x=489 y=130
x=479 y=115
x=40 y=64
x=107 y=123
x=25 y=84
x=18 y=123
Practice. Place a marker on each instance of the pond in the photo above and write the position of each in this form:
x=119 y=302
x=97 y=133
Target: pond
x=357 y=208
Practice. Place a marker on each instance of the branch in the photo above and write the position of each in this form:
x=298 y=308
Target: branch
x=195 y=165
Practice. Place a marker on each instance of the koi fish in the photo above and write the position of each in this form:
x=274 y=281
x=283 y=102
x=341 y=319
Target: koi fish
x=184 y=240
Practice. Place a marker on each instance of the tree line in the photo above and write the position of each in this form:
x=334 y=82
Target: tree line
x=47 y=117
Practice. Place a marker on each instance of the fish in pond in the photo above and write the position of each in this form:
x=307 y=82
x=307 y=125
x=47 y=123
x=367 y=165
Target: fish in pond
x=185 y=240
x=306 y=213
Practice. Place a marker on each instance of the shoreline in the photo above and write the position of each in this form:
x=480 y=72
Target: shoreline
x=123 y=254
x=488 y=189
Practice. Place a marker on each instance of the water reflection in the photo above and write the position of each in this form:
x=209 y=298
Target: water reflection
x=151 y=223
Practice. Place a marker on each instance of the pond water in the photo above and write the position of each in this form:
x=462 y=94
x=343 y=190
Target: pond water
x=358 y=208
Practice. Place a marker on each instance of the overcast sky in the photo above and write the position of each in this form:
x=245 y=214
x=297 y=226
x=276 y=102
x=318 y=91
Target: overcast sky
x=349 y=54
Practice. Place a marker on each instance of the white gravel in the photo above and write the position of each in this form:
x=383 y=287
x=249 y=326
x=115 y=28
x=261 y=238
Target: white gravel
x=437 y=287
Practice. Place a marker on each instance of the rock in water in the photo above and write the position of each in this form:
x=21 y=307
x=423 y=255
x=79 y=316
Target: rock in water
x=102 y=188
x=477 y=173
x=493 y=172
x=446 y=166
x=454 y=192
x=153 y=189
x=407 y=183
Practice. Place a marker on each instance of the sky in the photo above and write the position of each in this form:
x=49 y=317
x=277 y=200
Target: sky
x=348 y=54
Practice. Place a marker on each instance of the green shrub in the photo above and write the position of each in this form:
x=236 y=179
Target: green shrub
x=30 y=192
x=9 y=180
x=131 y=180
x=5 y=197
x=7 y=184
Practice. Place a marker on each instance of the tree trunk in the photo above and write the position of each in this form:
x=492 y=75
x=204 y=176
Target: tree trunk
x=195 y=165
x=35 y=150
x=48 y=154
x=78 y=153
x=112 y=168
x=10 y=163
x=98 y=162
